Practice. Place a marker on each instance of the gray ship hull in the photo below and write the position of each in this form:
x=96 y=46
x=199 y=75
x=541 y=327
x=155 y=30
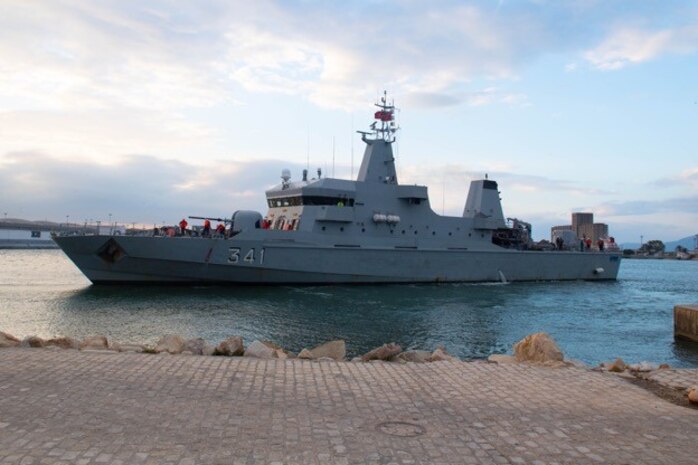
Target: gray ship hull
x=133 y=259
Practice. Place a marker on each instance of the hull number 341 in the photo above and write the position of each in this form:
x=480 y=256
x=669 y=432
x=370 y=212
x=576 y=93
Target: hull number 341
x=236 y=256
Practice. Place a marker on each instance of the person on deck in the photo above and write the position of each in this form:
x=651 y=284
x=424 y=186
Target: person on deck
x=183 y=227
x=207 y=229
x=220 y=229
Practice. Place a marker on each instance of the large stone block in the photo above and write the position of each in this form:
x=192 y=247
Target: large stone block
x=33 y=341
x=231 y=346
x=97 y=342
x=537 y=348
x=260 y=349
x=171 y=343
x=195 y=346
x=8 y=340
x=686 y=322
x=335 y=350
x=384 y=352
x=63 y=343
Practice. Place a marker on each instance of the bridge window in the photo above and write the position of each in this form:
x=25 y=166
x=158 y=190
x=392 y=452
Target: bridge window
x=310 y=200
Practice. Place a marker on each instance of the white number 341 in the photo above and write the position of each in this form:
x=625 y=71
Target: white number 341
x=234 y=256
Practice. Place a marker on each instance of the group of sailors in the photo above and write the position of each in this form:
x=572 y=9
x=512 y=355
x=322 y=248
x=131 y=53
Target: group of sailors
x=183 y=230
x=585 y=244
x=282 y=223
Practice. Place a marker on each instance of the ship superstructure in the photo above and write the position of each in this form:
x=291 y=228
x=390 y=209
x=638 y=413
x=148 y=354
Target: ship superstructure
x=324 y=230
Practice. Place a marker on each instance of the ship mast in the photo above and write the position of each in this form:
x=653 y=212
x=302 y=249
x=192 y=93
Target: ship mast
x=378 y=164
x=386 y=117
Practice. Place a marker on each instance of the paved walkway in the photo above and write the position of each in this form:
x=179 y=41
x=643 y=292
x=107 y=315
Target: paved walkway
x=71 y=407
x=673 y=378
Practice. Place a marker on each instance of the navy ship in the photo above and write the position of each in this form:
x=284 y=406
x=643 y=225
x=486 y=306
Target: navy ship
x=331 y=231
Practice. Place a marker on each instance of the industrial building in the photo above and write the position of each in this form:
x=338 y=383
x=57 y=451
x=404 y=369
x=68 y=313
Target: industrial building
x=582 y=226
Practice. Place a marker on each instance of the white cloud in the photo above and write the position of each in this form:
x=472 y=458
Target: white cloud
x=104 y=135
x=86 y=55
x=486 y=96
x=627 y=46
x=138 y=189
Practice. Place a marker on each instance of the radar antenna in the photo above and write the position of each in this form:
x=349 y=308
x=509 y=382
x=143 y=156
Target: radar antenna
x=386 y=117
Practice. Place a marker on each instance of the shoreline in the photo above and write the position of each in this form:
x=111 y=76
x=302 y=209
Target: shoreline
x=537 y=349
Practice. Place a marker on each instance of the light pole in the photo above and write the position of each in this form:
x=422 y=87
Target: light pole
x=111 y=227
x=66 y=221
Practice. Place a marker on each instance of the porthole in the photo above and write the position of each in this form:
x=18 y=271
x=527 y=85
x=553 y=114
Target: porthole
x=449 y=234
x=433 y=233
x=403 y=231
x=323 y=228
x=342 y=228
x=415 y=231
x=363 y=229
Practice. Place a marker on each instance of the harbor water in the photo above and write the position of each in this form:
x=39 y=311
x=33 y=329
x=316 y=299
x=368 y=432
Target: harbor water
x=42 y=293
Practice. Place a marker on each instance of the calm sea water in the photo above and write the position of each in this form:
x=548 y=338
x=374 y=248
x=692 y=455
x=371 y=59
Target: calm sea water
x=43 y=293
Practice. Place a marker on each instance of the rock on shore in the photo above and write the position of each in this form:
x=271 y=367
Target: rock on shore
x=618 y=366
x=63 y=343
x=537 y=348
x=414 y=356
x=693 y=395
x=32 y=341
x=266 y=350
x=440 y=355
x=336 y=350
x=171 y=343
x=233 y=346
x=384 y=352
x=97 y=342
x=8 y=340
x=197 y=346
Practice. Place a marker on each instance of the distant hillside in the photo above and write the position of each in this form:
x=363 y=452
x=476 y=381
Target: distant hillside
x=687 y=242
x=670 y=246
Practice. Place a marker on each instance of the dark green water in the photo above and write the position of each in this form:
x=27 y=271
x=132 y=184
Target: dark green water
x=42 y=293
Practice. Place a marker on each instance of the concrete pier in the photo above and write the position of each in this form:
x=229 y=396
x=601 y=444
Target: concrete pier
x=686 y=322
x=99 y=408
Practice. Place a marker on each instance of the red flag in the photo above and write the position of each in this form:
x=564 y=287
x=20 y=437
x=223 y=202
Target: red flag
x=383 y=115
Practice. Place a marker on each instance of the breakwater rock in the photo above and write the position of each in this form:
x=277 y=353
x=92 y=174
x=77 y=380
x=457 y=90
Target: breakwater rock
x=233 y=346
x=8 y=340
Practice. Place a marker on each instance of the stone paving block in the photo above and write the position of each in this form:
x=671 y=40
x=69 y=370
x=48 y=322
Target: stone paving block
x=131 y=408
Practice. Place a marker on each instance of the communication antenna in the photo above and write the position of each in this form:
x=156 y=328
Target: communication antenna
x=351 y=137
x=443 y=197
x=333 y=166
x=308 y=150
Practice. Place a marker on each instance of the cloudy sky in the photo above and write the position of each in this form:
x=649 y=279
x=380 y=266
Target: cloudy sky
x=154 y=110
